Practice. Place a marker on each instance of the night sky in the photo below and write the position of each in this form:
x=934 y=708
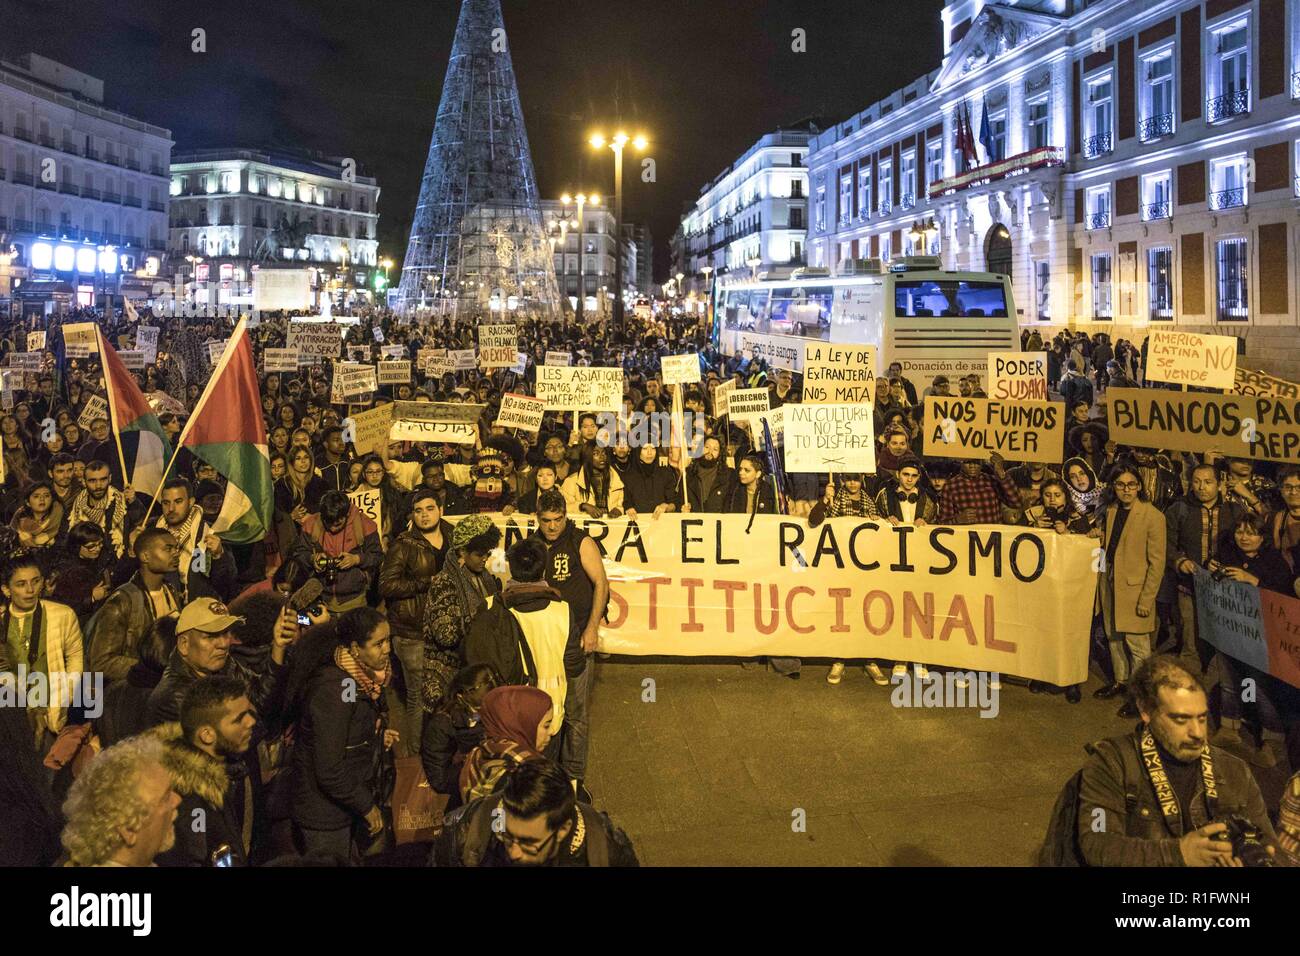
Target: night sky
x=703 y=79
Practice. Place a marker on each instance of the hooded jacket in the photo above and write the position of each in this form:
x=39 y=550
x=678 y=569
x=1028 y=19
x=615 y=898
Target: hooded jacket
x=207 y=819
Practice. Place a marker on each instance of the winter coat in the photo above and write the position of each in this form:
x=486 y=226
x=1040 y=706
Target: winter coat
x=644 y=489
x=126 y=704
x=265 y=687
x=115 y=631
x=204 y=785
x=715 y=502
x=1183 y=533
x=404 y=577
x=1139 y=565
x=449 y=735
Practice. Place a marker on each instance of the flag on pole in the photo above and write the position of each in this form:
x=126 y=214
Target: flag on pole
x=142 y=446
x=679 y=434
x=986 y=135
x=775 y=468
x=226 y=430
x=128 y=309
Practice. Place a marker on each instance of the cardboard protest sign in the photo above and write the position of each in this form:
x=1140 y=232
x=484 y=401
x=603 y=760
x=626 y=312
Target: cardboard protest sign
x=1247 y=382
x=581 y=388
x=1192 y=359
x=394 y=373
x=393 y=352
x=378 y=334
x=279 y=360
x=36 y=341
x=146 y=340
x=498 y=346
x=358 y=354
x=748 y=403
x=26 y=360
x=464 y=359
x=96 y=407
x=977 y=427
x=1256 y=626
x=823 y=438
x=521 y=363
x=132 y=359
x=521 y=411
x=215 y=351
x=1018 y=376
x=314 y=340
x=722 y=398
x=450 y=422
x=839 y=374
x=680 y=369
x=354 y=379
x=775 y=420
x=79 y=340
x=370 y=502
x=559 y=358
x=370 y=429
x=1240 y=426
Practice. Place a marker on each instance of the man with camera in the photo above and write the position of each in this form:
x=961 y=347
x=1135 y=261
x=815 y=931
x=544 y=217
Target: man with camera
x=1162 y=796
x=340 y=546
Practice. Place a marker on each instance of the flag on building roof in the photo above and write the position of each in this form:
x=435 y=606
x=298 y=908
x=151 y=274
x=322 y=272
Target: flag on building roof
x=226 y=430
x=142 y=446
x=986 y=135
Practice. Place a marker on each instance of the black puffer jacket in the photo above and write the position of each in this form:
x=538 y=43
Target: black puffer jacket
x=404 y=579
x=645 y=487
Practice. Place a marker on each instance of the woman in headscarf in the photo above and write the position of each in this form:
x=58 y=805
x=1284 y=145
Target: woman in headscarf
x=649 y=487
x=516 y=727
x=40 y=519
x=457 y=593
x=1085 y=492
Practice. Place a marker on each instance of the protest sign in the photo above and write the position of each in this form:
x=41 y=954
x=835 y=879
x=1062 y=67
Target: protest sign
x=370 y=502
x=279 y=360
x=1240 y=426
x=1257 y=627
x=1018 y=376
x=450 y=422
x=498 y=346
x=976 y=427
x=215 y=351
x=370 y=429
x=775 y=419
x=1190 y=358
x=26 y=360
x=559 y=358
x=521 y=363
x=132 y=359
x=820 y=438
x=146 y=340
x=722 y=398
x=96 y=407
x=357 y=354
x=36 y=341
x=521 y=411
x=985 y=598
x=1248 y=382
x=680 y=369
x=464 y=359
x=394 y=373
x=378 y=334
x=581 y=388
x=79 y=340
x=314 y=340
x=839 y=374
x=393 y=352
x=748 y=403
x=354 y=379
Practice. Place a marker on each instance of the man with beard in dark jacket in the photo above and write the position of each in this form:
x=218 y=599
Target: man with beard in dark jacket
x=155 y=591
x=707 y=480
x=205 y=757
x=541 y=824
x=649 y=487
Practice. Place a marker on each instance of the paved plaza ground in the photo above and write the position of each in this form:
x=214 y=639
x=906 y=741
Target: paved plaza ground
x=713 y=771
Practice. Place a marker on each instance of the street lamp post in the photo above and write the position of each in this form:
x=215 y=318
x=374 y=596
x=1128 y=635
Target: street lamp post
x=619 y=140
x=708 y=290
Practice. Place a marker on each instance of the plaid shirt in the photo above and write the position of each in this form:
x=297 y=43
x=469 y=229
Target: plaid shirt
x=985 y=493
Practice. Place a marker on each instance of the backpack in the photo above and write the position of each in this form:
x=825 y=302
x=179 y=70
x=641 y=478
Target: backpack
x=1061 y=844
x=495 y=638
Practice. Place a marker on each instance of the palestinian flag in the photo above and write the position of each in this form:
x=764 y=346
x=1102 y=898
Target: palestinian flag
x=142 y=445
x=226 y=431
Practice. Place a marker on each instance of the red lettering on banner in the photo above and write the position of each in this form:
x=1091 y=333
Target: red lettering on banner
x=991 y=642
x=731 y=587
x=889 y=612
x=691 y=584
x=839 y=627
x=769 y=628
x=912 y=612
x=959 y=616
x=621 y=603
x=654 y=598
x=789 y=610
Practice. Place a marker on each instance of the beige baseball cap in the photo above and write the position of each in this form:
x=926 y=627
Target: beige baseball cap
x=208 y=615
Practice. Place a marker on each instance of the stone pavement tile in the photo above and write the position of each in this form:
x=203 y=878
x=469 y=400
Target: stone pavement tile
x=808 y=780
x=830 y=840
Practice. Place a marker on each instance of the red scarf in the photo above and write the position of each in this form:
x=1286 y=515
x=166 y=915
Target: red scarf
x=369 y=681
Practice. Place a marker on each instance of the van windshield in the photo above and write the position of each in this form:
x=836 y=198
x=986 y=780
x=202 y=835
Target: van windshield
x=950 y=298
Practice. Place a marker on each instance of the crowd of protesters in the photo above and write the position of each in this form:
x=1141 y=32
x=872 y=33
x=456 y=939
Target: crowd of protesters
x=227 y=665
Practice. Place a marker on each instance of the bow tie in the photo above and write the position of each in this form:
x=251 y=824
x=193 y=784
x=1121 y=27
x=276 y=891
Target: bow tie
x=910 y=499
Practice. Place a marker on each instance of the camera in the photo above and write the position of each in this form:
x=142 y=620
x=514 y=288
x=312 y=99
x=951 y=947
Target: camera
x=327 y=568
x=1247 y=841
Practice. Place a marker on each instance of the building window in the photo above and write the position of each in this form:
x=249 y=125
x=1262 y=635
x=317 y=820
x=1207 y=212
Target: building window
x=1228 y=188
x=821 y=208
x=998 y=136
x=886 y=252
x=1040 y=132
x=1231 y=265
x=864 y=193
x=1160 y=283
x=796 y=250
x=1100 y=115
x=1158 y=108
x=1229 y=72
x=907 y=187
x=934 y=161
x=1101 y=289
x=796 y=189
x=935 y=243
x=886 y=188
x=1098 y=208
x=1043 y=289
x=846 y=199
x=1157 y=200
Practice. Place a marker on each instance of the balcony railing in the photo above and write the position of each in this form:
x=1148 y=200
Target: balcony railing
x=89 y=192
x=907 y=202
x=132 y=201
x=1155 y=127
x=46 y=142
x=111 y=197
x=886 y=207
x=1098 y=220
x=23 y=134
x=133 y=164
x=1225 y=107
x=1228 y=199
x=22 y=179
x=155 y=206
x=1098 y=145
x=864 y=215
x=69 y=189
x=1156 y=210
x=42 y=184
